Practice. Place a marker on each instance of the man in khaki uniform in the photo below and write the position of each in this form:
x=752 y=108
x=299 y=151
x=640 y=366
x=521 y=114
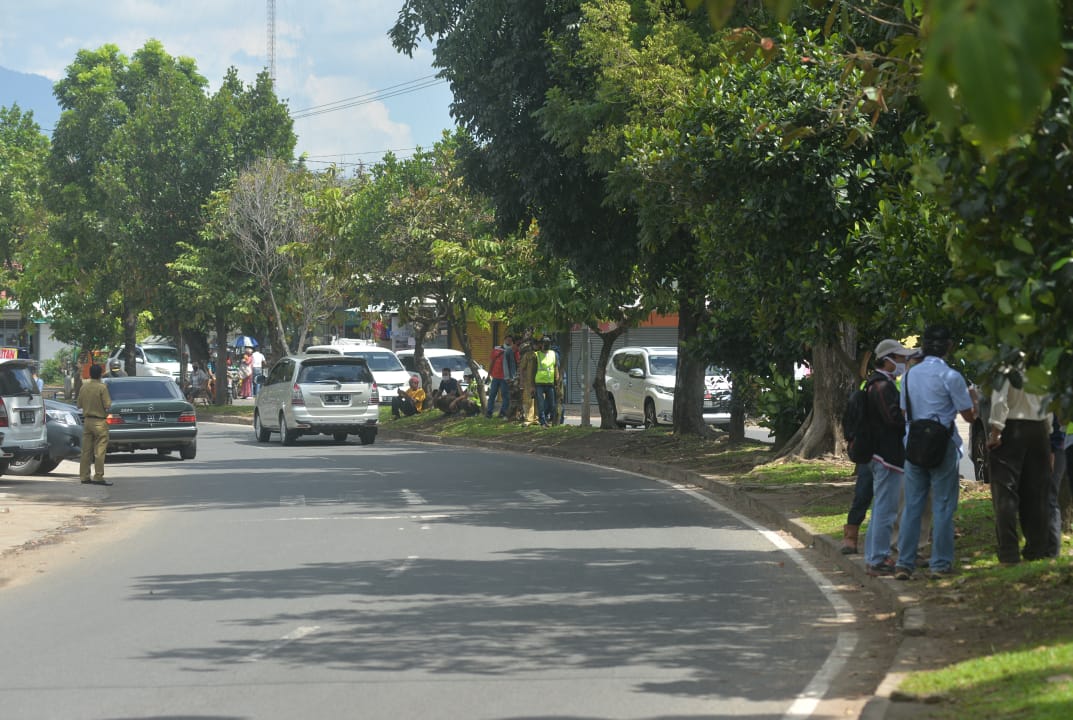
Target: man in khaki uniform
x=526 y=370
x=94 y=402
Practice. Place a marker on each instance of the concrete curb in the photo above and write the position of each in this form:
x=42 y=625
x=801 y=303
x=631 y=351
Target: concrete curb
x=904 y=604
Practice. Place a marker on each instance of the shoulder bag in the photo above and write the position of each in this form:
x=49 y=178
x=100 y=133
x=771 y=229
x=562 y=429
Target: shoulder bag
x=926 y=445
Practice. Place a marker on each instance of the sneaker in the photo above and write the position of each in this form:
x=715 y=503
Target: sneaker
x=903 y=573
x=940 y=574
x=883 y=569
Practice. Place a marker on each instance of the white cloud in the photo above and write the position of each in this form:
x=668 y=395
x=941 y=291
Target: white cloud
x=326 y=50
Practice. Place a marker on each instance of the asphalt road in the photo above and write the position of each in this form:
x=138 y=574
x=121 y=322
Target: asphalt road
x=403 y=580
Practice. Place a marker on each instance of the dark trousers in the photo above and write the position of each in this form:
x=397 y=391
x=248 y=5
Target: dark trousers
x=545 y=402
x=404 y=405
x=1053 y=548
x=1020 y=477
x=862 y=495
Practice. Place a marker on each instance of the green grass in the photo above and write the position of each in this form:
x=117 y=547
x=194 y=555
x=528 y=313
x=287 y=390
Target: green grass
x=1034 y=682
x=207 y=412
x=798 y=473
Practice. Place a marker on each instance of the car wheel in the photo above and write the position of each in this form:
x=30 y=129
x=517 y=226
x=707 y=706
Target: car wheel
x=26 y=466
x=47 y=466
x=614 y=412
x=259 y=430
x=188 y=452
x=366 y=437
x=650 y=414
x=286 y=436
x=3 y=467
x=339 y=436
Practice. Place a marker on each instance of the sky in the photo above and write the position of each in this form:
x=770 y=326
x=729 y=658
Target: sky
x=327 y=51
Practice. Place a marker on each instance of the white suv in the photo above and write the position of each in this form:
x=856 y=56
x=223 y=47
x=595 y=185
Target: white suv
x=22 y=413
x=317 y=394
x=388 y=372
x=640 y=384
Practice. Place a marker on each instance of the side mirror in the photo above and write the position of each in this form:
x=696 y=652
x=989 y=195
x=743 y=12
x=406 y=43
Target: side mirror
x=637 y=373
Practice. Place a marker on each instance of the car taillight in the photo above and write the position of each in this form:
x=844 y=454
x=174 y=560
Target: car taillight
x=3 y=413
x=296 y=395
x=114 y=420
x=188 y=417
x=374 y=396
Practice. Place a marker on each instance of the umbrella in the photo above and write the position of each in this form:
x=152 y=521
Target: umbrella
x=245 y=341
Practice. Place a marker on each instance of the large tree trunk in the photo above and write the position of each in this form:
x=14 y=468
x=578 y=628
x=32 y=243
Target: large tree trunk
x=221 y=357
x=459 y=323
x=689 y=380
x=832 y=379
x=599 y=383
x=130 y=339
x=739 y=398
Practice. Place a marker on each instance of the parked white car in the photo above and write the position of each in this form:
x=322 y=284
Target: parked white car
x=388 y=371
x=640 y=384
x=439 y=358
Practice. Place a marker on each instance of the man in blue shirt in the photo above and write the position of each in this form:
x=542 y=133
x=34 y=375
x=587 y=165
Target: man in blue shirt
x=932 y=389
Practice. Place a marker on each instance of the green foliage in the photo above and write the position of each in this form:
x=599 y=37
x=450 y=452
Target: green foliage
x=783 y=403
x=52 y=371
x=23 y=220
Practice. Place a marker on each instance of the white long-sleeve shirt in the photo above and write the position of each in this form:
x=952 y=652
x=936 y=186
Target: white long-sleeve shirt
x=1010 y=403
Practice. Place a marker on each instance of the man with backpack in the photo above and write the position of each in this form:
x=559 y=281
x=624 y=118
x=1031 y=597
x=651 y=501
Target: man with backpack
x=877 y=440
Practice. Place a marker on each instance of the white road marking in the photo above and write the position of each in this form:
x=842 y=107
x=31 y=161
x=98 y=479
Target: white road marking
x=292 y=500
x=437 y=516
x=403 y=566
x=536 y=496
x=287 y=639
x=808 y=699
x=411 y=497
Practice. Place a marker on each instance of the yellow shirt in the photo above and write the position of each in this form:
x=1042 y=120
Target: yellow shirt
x=418 y=396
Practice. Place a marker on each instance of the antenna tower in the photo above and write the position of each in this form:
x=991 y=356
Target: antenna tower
x=271 y=41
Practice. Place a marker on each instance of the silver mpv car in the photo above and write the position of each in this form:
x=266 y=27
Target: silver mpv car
x=317 y=395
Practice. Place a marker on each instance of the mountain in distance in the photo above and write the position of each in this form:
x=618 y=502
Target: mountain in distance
x=30 y=92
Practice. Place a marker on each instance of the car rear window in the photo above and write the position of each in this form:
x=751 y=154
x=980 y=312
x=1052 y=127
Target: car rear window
x=164 y=388
x=16 y=381
x=334 y=372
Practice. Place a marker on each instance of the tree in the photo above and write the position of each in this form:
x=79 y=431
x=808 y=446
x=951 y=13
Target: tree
x=23 y=220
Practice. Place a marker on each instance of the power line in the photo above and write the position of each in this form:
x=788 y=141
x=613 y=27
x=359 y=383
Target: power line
x=369 y=97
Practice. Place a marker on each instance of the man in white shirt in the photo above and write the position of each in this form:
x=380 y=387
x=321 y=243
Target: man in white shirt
x=258 y=367
x=1020 y=461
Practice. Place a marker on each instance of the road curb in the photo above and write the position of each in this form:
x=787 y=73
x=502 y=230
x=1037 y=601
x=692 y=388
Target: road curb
x=912 y=617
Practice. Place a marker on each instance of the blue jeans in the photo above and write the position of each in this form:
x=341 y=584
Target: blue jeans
x=942 y=483
x=887 y=486
x=545 y=402
x=499 y=386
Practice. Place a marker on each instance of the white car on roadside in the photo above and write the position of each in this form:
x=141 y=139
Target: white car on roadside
x=640 y=384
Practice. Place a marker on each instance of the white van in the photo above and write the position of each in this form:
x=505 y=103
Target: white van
x=388 y=372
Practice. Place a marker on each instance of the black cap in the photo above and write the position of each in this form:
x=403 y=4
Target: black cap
x=937 y=334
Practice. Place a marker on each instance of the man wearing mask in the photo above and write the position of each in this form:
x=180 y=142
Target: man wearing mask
x=886 y=427
x=504 y=369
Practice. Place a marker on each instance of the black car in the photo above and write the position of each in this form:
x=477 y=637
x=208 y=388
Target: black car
x=150 y=413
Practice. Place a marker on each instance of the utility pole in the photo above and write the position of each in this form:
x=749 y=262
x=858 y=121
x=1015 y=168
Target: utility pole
x=271 y=41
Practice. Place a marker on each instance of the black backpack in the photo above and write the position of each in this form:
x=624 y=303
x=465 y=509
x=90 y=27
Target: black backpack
x=860 y=438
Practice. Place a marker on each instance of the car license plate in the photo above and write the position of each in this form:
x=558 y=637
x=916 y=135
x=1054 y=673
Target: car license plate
x=153 y=418
x=26 y=417
x=336 y=399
